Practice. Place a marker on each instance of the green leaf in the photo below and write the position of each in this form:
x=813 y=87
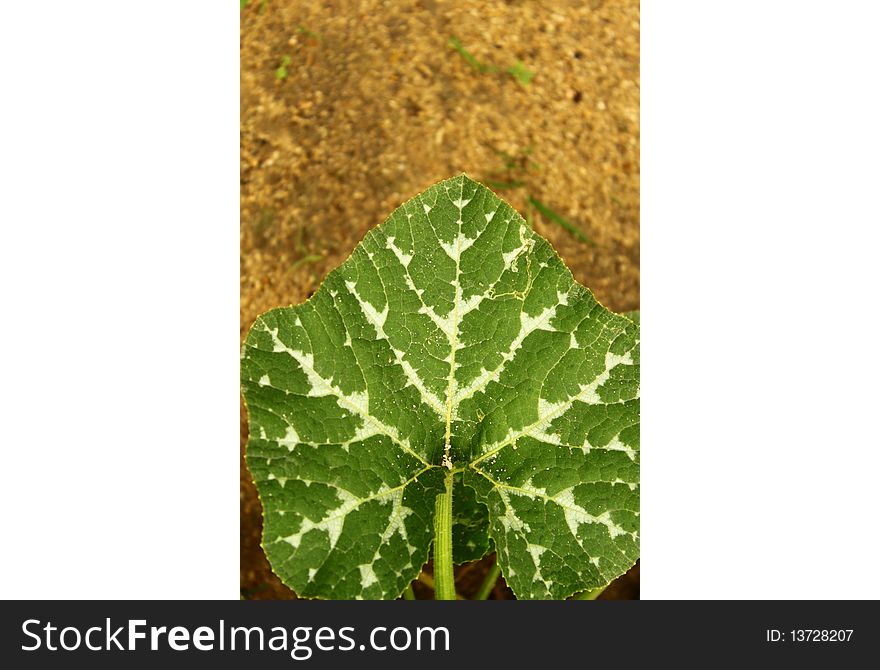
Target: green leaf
x=454 y=336
x=633 y=316
x=470 y=524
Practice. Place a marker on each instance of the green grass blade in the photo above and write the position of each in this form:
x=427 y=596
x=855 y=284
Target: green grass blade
x=550 y=215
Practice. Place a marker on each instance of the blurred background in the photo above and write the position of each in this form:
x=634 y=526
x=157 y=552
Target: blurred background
x=350 y=108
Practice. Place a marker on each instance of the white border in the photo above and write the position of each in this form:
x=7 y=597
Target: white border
x=760 y=452
x=120 y=300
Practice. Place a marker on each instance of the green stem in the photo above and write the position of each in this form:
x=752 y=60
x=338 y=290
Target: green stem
x=443 y=575
x=489 y=582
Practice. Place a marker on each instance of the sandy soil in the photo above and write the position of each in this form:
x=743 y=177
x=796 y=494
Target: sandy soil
x=376 y=106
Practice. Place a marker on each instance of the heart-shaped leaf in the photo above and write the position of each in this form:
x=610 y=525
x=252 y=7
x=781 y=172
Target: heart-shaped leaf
x=453 y=338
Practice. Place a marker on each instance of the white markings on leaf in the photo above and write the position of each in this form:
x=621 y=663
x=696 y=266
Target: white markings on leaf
x=290 y=440
x=368 y=575
x=510 y=521
x=615 y=445
x=458 y=246
x=395 y=525
x=575 y=515
x=528 y=325
x=536 y=550
x=281 y=480
x=428 y=396
x=405 y=259
x=589 y=392
x=331 y=524
x=460 y=203
x=377 y=320
x=550 y=411
x=374 y=317
x=357 y=402
x=510 y=257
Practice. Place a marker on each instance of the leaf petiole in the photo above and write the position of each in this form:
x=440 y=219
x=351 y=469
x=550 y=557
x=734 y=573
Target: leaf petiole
x=489 y=582
x=444 y=577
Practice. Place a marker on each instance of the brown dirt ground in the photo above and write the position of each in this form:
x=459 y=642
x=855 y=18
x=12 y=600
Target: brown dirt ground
x=376 y=107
